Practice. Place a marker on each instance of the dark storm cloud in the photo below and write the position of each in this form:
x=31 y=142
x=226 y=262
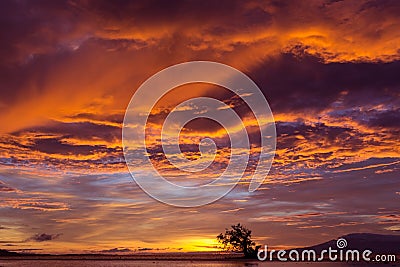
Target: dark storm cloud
x=293 y=84
x=38 y=38
x=386 y=119
x=55 y=146
x=29 y=29
x=79 y=130
x=144 y=13
x=300 y=128
x=44 y=237
x=116 y=250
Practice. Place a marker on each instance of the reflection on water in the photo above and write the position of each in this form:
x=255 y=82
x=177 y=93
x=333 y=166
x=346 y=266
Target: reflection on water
x=176 y=263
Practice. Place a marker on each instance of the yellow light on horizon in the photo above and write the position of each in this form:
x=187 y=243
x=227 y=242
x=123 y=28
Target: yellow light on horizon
x=199 y=244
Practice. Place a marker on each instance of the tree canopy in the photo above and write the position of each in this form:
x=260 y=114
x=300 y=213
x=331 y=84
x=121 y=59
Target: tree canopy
x=238 y=239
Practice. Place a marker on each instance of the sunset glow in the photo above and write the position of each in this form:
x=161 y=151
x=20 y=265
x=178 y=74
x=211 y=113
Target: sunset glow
x=328 y=69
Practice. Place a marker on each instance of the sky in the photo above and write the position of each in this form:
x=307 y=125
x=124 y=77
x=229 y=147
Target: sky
x=330 y=73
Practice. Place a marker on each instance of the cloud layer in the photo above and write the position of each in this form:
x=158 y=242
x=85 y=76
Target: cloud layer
x=329 y=70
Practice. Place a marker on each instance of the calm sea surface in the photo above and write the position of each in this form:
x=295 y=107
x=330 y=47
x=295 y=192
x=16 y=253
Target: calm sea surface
x=145 y=263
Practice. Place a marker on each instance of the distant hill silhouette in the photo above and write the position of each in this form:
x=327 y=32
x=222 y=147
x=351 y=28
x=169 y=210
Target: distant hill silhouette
x=4 y=252
x=378 y=244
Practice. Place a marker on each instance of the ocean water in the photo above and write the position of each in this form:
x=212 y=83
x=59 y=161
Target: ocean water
x=173 y=263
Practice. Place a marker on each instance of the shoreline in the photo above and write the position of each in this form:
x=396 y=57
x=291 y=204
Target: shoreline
x=146 y=257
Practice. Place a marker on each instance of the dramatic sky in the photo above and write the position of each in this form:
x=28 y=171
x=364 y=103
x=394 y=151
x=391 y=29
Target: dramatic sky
x=329 y=70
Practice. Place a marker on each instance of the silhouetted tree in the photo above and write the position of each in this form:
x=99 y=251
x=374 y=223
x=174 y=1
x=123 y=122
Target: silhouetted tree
x=238 y=239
